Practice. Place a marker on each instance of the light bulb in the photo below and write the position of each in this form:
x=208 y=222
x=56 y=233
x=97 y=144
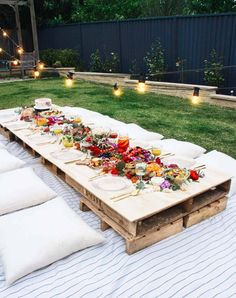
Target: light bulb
x=41 y=65
x=20 y=51
x=69 y=82
x=195 y=100
x=117 y=92
x=36 y=73
x=141 y=87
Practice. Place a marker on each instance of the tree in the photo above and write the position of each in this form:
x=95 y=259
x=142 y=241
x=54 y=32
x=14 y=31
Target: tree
x=211 y=6
x=94 y=10
x=163 y=7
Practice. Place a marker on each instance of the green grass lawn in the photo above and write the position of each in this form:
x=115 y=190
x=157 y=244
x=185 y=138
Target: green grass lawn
x=212 y=127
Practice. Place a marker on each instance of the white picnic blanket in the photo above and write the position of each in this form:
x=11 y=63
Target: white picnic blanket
x=199 y=262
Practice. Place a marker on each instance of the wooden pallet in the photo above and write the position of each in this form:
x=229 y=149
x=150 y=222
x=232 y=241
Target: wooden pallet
x=147 y=231
x=7 y=133
x=153 y=226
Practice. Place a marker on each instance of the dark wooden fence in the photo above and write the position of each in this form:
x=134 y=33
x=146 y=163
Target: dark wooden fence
x=187 y=37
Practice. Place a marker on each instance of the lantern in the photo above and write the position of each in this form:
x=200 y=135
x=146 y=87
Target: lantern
x=195 y=98
x=116 y=90
x=69 y=79
x=141 y=84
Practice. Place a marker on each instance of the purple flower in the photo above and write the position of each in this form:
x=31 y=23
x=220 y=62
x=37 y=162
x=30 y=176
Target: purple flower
x=165 y=184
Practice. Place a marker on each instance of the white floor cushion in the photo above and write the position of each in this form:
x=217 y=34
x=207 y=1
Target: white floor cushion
x=9 y=162
x=182 y=148
x=2 y=146
x=22 y=188
x=136 y=132
x=222 y=162
x=38 y=236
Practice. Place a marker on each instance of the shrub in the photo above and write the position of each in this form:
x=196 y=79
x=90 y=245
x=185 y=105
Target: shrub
x=213 y=70
x=154 y=60
x=67 y=57
x=134 y=68
x=96 y=64
x=112 y=63
x=109 y=64
x=57 y=64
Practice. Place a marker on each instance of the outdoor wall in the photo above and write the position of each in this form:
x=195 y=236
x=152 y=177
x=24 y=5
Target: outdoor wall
x=187 y=37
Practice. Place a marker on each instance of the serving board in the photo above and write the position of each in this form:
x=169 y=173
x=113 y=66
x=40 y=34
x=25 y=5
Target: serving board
x=144 y=219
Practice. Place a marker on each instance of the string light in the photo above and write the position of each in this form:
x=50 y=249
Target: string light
x=69 y=79
x=141 y=84
x=20 y=50
x=36 y=72
x=41 y=65
x=116 y=90
x=195 y=98
x=15 y=62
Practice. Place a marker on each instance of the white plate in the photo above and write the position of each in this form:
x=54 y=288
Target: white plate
x=38 y=138
x=110 y=183
x=67 y=155
x=181 y=161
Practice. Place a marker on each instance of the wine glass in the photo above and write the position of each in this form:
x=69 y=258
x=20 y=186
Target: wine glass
x=140 y=169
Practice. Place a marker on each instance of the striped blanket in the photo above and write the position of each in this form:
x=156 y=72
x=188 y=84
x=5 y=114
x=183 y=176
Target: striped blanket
x=199 y=262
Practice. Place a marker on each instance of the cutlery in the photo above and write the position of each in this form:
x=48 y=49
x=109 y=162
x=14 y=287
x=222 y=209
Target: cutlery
x=201 y=167
x=133 y=193
x=45 y=143
x=72 y=161
x=97 y=177
x=166 y=155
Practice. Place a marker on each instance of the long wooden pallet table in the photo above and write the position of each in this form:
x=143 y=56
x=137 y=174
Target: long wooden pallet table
x=141 y=220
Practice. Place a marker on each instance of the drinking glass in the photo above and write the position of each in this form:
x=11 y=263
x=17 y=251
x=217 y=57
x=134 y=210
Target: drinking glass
x=123 y=143
x=140 y=169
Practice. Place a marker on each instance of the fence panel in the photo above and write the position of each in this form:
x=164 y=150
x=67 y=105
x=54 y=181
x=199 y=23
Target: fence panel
x=190 y=38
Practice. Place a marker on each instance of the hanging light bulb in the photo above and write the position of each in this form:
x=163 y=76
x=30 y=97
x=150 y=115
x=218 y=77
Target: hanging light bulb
x=36 y=72
x=4 y=33
x=141 y=84
x=1 y=50
x=69 y=79
x=41 y=65
x=195 y=98
x=15 y=62
x=116 y=90
x=20 y=50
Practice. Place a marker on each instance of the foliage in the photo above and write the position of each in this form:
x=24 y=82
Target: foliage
x=210 y=6
x=66 y=57
x=57 y=64
x=134 y=68
x=52 y=12
x=96 y=64
x=212 y=127
x=93 y=10
x=154 y=60
x=109 y=64
x=163 y=7
x=213 y=70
